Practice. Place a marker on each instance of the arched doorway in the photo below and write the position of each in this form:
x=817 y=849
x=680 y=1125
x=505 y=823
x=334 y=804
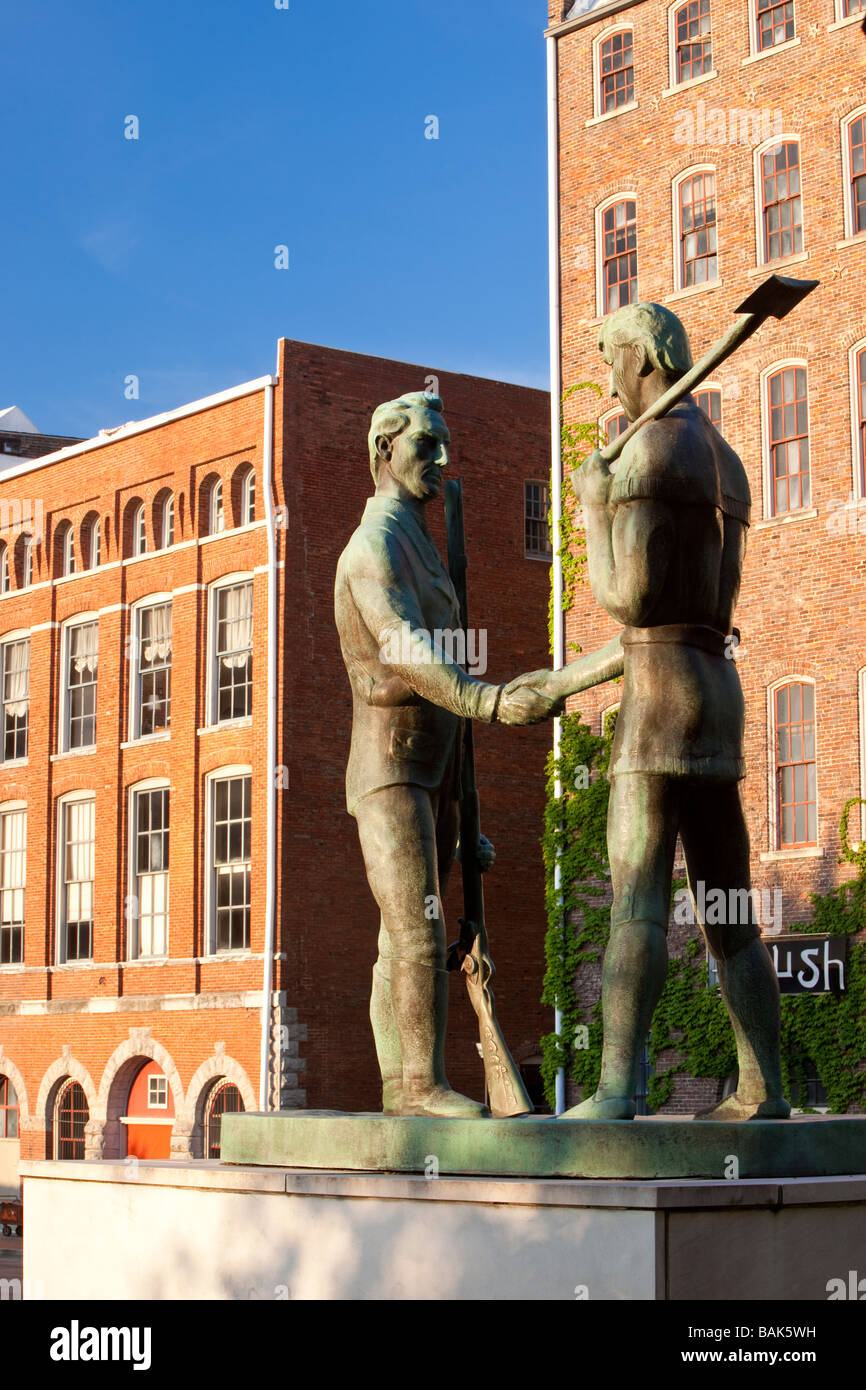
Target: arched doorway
x=224 y=1098
x=71 y=1114
x=150 y=1115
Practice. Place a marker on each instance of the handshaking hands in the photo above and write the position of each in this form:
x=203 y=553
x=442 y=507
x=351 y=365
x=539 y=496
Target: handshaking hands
x=540 y=695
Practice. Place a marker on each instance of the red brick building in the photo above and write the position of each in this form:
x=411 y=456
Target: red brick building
x=186 y=925
x=699 y=147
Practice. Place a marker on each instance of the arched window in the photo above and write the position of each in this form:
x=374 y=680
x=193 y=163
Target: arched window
x=167 y=528
x=617 y=242
x=781 y=201
x=693 y=41
x=858 y=411
x=232 y=647
x=65 y=548
x=248 y=498
x=224 y=1099
x=5 y=583
x=217 y=518
x=71 y=1114
x=612 y=425
x=786 y=407
x=695 y=202
x=9 y=1109
x=26 y=562
x=14 y=696
x=796 y=794
x=854 y=165
x=80 y=652
x=90 y=541
x=709 y=398
x=615 y=71
x=139 y=531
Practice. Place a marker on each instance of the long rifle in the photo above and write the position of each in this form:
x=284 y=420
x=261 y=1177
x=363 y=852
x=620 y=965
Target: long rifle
x=505 y=1089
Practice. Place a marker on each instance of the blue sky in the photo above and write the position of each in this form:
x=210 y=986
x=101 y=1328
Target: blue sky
x=262 y=127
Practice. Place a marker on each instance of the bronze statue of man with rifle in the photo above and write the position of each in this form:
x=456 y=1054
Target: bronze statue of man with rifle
x=410 y=702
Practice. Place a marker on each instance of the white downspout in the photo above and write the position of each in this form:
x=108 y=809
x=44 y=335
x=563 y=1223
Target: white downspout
x=271 y=815
x=555 y=430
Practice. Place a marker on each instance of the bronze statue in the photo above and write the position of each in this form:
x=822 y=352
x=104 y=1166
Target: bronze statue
x=392 y=595
x=666 y=538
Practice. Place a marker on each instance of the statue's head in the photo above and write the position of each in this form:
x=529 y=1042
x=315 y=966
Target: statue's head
x=409 y=446
x=637 y=341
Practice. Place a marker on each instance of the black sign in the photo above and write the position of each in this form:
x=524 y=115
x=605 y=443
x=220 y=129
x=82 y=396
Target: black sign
x=809 y=964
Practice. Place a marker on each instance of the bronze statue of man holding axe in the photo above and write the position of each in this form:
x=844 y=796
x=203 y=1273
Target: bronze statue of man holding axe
x=666 y=539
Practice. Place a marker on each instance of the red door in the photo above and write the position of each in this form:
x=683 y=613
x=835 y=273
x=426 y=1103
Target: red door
x=149 y=1115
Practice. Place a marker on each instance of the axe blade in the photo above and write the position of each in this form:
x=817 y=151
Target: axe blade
x=776 y=297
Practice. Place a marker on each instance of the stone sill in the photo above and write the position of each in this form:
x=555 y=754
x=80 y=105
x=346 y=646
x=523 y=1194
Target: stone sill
x=73 y=753
x=788 y=519
x=858 y=239
x=687 y=86
x=146 y=741
x=692 y=290
x=780 y=856
x=245 y=723
x=768 y=52
x=777 y=267
x=846 y=22
x=609 y=115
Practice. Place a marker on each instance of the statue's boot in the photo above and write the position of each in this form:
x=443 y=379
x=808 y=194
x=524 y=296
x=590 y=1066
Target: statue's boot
x=387 y=1038
x=633 y=976
x=751 y=992
x=419 y=994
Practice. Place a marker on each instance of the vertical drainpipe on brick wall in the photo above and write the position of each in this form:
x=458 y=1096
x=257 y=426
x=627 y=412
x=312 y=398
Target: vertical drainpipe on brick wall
x=271 y=816
x=555 y=429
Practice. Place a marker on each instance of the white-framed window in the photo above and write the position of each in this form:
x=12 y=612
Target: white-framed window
x=27 y=564
x=709 y=398
x=616 y=252
x=5 y=580
x=772 y=23
x=217 y=514
x=536 y=521
x=157 y=1093
x=95 y=544
x=248 y=498
x=150 y=806
x=66 y=545
x=792 y=744
x=13 y=881
x=696 y=259
x=779 y=200
x=229 y=858
x=613 y=70
x=861 y=720
x=231 y=642
x=76 y=869
x=850 y=9
x=691 y=41
x=786 y=435
x=139 y=530
x=611 y=425
x=167 y=528
x=857 y=367
x=14 y=695
x=151 y=667
x=854 y=170
x=80 y=648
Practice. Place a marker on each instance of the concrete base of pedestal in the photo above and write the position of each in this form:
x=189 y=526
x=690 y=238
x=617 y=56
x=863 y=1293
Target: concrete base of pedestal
x=209 y=1231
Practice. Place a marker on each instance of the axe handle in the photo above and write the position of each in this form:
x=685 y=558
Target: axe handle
x=737 y=334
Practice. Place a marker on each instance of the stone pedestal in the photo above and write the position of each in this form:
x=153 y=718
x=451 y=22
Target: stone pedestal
x=200 y=1230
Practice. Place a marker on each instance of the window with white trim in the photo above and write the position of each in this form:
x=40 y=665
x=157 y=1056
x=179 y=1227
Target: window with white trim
x=233 y=651
x=854 y=165
x=157 y=1093
x=617 y=245
x=248 y=498
x=168 y=522
x=774 y=23
x=693 y=41
x=150 y=848
x=139 y=531
x=849 y=8
x=66 y=544
x=81 y=661
x=77 y=862
x=697 y=231
x=152 y=704
x=231 y=861
x=796 y=793
x=15 y=696
x=709 y=398
x=27 y=564
x=787 y=429
x=858 y=402
x=615 y=71
x=95 y=544
x=217 y=518
x=13 y=880
x=5 y=582
x=781 y=201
